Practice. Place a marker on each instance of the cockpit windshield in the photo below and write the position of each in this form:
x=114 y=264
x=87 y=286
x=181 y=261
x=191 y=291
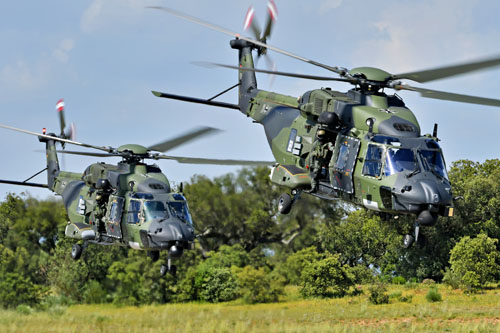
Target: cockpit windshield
x=433 y=161
x=399 y=160
x=154 y=210
x=180 y=210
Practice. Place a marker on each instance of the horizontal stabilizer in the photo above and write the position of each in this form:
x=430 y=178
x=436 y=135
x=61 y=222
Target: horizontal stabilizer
x=12 y=182
x=196 y=100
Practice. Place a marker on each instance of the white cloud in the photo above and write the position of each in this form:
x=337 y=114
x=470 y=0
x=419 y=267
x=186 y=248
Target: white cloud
x=101 y=13
x=61 y=53
x=328 y=5
x=22 y=76
x=413 y=35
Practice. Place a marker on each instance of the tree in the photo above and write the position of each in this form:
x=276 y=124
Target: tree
x=475 y=261
x=242 y=209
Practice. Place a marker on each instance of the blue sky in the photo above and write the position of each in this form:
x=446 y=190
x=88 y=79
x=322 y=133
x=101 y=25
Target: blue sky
x=105 y=56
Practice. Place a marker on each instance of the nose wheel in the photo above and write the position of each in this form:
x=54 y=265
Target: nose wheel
x=168 y=268
x=408 y=239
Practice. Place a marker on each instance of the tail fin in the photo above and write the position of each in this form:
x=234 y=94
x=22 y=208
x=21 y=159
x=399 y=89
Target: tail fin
x=247 y=79
x=52 y=161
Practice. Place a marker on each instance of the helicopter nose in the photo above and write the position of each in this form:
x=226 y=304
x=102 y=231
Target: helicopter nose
x=424 y=192
x=171 y=234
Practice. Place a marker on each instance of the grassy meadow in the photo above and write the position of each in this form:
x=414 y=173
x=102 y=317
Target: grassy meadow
x=457 y=312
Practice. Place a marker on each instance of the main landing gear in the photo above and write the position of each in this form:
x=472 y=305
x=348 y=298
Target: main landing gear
x=164 y=269
x=285 y=201
x=77 y=250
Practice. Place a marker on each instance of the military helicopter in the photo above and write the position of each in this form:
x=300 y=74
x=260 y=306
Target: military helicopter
x=363 y=146
x=129 y=204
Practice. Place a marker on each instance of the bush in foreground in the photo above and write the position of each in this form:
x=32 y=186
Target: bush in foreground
x=326 y=277
x=433 y=296
x=259 y=286
x=378 y=294
x=474 y=262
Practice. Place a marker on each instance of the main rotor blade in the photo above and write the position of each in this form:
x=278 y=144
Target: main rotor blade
x=436 y=94
x=185 y=138
x=448 y=71
x=85 y=153
x=300 y=76
x=55 y=138
x=195 y=160
x=198 y=21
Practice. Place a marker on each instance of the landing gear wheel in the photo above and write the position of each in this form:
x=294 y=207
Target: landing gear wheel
x=285 y=203
x=173 y=270
x=163 y=270
x=76 y=251
x=154 y=255
x=408 y=241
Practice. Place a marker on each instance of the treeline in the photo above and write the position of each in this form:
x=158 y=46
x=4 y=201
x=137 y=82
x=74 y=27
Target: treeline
x=247 y=249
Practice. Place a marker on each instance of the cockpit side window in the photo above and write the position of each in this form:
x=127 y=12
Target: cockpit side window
x=180 y=210
x=433 y=161
x=115 y=213
x=134 y=209
x=399 y=160
x=342 y=157
x=373 y=161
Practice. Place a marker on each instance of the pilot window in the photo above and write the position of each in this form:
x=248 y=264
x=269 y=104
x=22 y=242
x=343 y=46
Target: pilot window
x=373 y=161
x=134 y=209
x=342 y=158
x=115 y=213
x=180 y=210
x=155 y=210
x=400 y=160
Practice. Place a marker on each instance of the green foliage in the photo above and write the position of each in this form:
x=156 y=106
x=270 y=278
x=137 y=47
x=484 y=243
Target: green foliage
x=433 y=295
x=16 y=289
x=326 y=277
x=398 y=280
x=259 y=286
x=475 y=261
x=242 y=209
x=451 y=278
x=378 y=294
x=94 y=293
x=362 y=274
x=362 y=238
x=297 y=262
x=217 y=285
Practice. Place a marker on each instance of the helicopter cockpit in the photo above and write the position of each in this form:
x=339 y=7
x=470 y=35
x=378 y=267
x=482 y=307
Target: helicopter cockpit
x=145 y=207
x=389 y=155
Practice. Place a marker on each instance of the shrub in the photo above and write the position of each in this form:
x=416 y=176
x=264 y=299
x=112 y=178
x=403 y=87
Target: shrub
x=217 y=285
x=257 y=286
x=433 y=296
x=94 y=293
x=326 y=277
x=378 y=294
x=451 y=278
x=398 y=280
x=474 y=261
x=16 y=289
x=297 y=262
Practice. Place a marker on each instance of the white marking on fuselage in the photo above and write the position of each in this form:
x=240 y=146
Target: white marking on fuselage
x=370 y=204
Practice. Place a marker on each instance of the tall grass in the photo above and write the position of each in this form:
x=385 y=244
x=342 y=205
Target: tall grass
x=457 y=312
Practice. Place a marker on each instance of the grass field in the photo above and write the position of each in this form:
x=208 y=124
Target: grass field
x=455 y=313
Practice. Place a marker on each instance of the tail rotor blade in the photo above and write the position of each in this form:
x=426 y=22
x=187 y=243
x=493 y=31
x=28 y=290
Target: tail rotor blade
x=60 y=111
x=250 y=22
x=272 y=17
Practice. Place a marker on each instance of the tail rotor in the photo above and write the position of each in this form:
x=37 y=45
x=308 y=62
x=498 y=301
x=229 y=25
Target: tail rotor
x=251 y=23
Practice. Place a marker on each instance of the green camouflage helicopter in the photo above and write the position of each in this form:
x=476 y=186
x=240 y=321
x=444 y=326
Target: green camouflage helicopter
x=362 y=146
x=129 y=204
